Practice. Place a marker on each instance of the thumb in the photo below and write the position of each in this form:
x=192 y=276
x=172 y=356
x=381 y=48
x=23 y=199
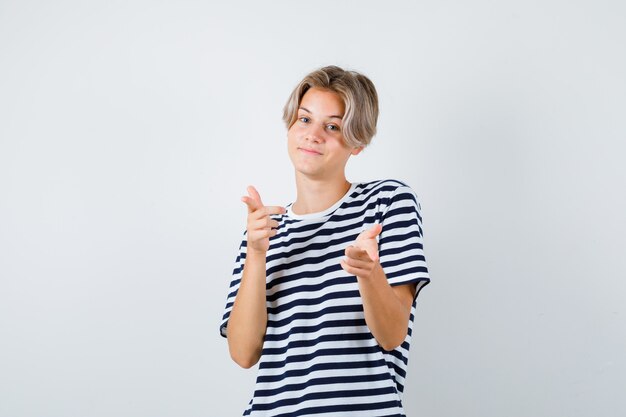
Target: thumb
x=374 y=230
x=252 y=200
x=255 y=195
x=252 y=205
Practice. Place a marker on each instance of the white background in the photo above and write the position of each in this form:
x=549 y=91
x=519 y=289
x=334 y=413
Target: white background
x=129 y=130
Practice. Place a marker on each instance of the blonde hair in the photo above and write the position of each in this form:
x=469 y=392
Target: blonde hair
x=359 y=97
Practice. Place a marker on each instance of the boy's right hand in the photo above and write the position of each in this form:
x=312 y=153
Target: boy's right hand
x=260 y=226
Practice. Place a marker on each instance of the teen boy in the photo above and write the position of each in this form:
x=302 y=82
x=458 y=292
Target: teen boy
x=324 y=290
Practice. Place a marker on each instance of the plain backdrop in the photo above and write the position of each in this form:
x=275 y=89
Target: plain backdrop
x=129 y=130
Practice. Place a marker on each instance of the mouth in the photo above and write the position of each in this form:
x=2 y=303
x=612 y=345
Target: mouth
x=309 y=151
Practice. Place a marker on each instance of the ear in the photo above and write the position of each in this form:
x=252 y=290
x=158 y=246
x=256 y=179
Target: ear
x=356 y=151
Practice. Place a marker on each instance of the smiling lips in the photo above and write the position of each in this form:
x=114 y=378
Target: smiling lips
x=310 y=151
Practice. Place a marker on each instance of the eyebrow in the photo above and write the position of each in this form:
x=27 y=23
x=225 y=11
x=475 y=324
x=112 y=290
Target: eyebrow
x=334 y=115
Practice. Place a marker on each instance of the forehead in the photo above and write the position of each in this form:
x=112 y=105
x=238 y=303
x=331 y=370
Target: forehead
x=324 y=102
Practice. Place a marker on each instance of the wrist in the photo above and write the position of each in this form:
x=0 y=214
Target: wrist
x=377 y=270
x=256 y=254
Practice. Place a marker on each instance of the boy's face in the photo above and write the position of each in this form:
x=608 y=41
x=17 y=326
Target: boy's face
x=315 y=141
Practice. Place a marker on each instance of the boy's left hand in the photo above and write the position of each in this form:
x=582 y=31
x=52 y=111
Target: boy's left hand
x=362 y=256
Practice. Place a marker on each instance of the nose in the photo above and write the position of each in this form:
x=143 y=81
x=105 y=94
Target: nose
x=315 y=133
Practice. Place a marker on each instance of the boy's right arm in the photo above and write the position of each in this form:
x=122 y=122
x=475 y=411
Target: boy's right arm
x=248 y=318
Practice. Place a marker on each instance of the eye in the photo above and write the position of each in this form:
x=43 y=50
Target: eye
x=333 y=127
x=304 y=117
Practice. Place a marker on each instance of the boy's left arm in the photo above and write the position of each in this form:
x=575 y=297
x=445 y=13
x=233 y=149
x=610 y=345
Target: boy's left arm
x=387 y=309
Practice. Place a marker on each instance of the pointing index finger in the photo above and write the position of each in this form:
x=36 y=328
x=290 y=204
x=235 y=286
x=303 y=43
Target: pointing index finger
x=275 y=210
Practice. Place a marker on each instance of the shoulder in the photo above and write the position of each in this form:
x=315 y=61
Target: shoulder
x=385 y=188
x=392 y=196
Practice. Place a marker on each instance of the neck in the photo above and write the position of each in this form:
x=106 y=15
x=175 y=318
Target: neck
x=315 y=195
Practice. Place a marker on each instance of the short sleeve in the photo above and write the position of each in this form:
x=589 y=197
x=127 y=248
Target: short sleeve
x=401 y=243
x=234 y=283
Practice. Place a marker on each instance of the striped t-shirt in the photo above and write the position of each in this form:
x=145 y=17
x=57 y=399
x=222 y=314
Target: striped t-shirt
x=319 y=356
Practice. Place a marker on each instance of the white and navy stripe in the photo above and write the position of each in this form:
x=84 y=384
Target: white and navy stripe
x=319 y=357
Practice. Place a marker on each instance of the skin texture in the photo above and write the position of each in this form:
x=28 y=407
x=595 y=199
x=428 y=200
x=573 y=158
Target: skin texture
x=320 y=182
